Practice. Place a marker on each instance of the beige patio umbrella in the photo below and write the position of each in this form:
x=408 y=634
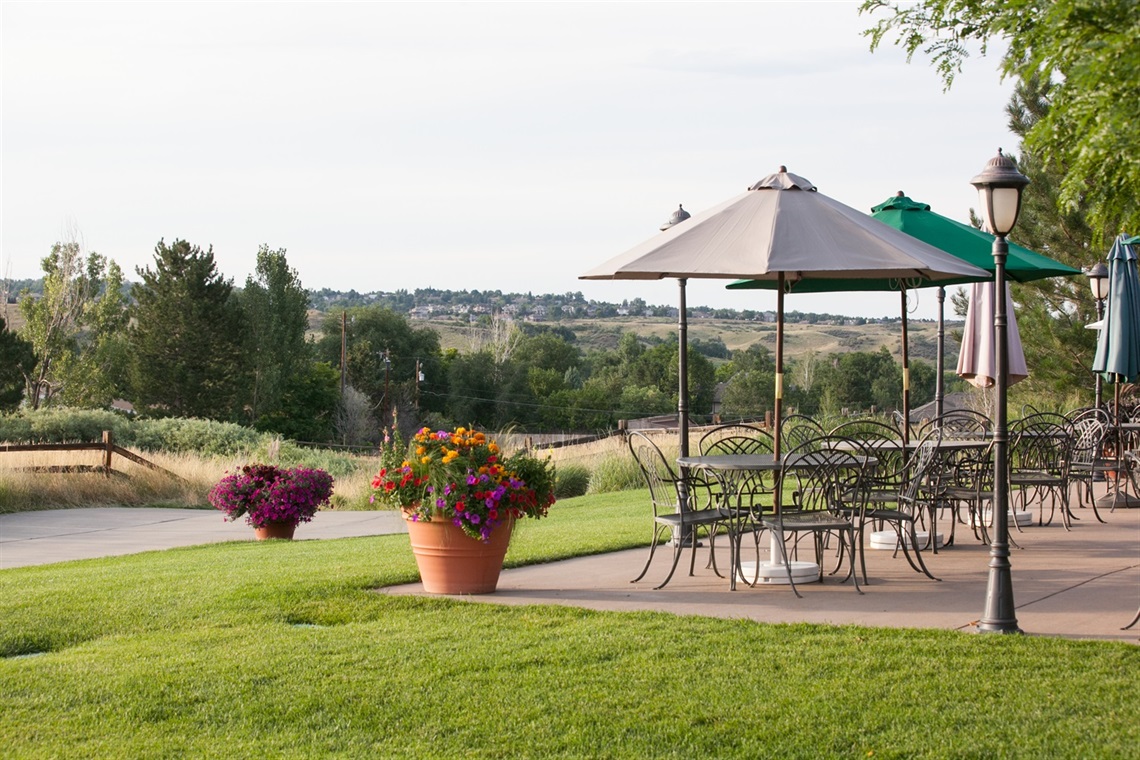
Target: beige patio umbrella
x=782 y=229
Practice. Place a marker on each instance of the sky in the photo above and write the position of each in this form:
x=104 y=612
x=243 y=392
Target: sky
x=486 y=146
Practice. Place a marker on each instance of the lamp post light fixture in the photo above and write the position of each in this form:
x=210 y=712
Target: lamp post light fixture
x=1098 y=282
x=999 y=191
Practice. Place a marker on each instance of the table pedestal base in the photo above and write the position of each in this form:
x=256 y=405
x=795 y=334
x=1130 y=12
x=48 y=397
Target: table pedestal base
x=776 y=573
x=888 y=539
x=1021 y=517
x=1117 y=500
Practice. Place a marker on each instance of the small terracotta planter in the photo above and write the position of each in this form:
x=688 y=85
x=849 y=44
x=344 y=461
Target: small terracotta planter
x=451 y=562
x=283 y=530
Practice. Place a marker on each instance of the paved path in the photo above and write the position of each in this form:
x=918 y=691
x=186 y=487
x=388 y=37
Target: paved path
x=57 y=535
x=1083 y=583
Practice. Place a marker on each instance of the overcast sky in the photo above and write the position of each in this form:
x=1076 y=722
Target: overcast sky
x=462 y=146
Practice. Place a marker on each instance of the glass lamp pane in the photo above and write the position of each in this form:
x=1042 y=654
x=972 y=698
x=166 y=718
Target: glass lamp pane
x=1005 y=208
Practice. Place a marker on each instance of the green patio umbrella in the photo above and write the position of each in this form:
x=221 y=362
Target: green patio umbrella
x=960 y=240
x=967 y=243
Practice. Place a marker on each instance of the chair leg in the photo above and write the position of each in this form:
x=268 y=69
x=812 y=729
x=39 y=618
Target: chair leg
x=657 y=530
x=850 y=533
x=1135 y=620
x=677 y=550
x=921 y=567
x=788 y=568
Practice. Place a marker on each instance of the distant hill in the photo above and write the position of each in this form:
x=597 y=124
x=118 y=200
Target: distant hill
x=457 y=317
x=799 y=338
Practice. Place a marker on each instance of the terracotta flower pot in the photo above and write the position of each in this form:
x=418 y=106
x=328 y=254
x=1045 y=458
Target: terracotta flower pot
x=276 y=530
x=451 y=562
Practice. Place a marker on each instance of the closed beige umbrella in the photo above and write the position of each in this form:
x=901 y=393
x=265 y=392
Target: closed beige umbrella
x=977 y=358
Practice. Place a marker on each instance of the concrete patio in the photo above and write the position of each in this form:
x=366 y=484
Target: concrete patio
x=1083 y=583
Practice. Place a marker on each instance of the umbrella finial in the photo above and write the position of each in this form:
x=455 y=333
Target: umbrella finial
x=783 y=169
x=900 y=194
x=679 y=216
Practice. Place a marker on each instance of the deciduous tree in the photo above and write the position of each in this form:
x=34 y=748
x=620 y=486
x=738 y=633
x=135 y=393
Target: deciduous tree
x=75 y=328
x=1085 y=50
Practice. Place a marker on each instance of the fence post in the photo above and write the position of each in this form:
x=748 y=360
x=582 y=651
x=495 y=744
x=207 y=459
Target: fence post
x=108 y=449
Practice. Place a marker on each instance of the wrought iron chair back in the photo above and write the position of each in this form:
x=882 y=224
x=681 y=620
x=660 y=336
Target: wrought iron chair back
x=797 y=429
x=825 y=475
x=1040 y=458
x=682 y=505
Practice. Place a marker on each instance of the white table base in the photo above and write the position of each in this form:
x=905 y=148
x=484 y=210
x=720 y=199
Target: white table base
x=1023 y=518
x=888 y=539
x=777 y=572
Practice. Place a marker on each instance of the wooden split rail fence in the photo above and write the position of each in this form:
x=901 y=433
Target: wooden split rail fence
x=107 y=447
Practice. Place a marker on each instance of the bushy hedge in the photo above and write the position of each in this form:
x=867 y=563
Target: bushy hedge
x=62 y=426
x=189 y=436
x=172 y=436
x=571 y=480
x=615 y=473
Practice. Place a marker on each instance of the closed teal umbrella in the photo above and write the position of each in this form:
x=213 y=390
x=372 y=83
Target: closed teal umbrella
x=1118 y=349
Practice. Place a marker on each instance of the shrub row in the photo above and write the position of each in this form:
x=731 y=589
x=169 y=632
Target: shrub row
x=207 y=438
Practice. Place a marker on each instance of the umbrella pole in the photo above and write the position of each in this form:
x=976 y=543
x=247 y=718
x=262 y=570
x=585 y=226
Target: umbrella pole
x=686 y=538
x=939 y=382
x=778 y=402
x=683 y=370
x=905 y=374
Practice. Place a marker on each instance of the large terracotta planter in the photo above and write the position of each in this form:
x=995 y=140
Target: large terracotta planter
x=451 y=562
x=276 y=530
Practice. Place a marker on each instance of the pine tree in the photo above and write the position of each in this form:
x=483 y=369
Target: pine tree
x=1052 y=313
x=276 y=307
x=187 y=342
x=16 y=357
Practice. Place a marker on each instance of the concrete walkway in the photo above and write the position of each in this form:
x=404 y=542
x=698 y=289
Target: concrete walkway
x=1083 y=583
x=58 y=535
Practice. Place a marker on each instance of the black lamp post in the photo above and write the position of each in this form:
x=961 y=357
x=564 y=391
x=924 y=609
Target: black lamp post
x=679 y=216
x=999 y=191
x=1098 y=281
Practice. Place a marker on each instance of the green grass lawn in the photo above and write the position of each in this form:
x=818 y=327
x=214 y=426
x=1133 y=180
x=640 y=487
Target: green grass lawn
x=280 y=649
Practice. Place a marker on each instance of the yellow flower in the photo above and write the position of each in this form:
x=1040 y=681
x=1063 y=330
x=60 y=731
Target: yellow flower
x=420 y=451
x=425 y=460
x=493 y=447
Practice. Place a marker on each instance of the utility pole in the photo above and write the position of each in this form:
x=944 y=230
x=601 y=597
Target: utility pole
x=387 y=373
x=343 y=349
